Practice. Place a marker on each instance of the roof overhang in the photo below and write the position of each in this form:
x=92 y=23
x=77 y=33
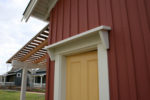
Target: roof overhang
x=39 y=9
x=11 y=74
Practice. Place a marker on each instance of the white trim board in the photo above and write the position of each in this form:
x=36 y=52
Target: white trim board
x=101 y=30
x=29 y=10
x=94 y=39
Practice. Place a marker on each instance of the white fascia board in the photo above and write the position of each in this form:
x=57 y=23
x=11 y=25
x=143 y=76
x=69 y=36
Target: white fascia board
x=107 y=28
x=29 y=10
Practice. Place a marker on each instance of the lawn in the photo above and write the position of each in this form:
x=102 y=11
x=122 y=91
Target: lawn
x=14 y=95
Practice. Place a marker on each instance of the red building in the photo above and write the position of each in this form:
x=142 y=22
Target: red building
x=79 y=26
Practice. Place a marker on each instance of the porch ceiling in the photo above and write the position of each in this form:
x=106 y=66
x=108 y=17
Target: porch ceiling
x=33 y=51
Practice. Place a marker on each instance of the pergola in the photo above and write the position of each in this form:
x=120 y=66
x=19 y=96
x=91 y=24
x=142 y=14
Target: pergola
x=31 y=55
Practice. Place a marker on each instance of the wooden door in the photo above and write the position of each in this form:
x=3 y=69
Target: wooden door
x=82 y=77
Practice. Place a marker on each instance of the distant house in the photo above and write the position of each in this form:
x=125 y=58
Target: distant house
x=13 y=78
x=1 y=79
x=39 y=78
x=35 y=78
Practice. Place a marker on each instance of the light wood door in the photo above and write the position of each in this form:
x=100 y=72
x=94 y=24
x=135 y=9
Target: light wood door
x=82 y=77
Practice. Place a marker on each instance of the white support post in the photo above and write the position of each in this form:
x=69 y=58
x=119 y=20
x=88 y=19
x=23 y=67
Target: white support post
x=103 y=73
x=25 y=66
x=34 y=82
x=31 y=81
x=23 y=84
x=41 y=81
x=4 y=80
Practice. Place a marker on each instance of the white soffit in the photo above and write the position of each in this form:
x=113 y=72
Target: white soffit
x=102 y=31
x=34 y=6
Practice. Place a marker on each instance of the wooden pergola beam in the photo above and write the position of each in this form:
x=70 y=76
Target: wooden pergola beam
x=35 y=50
x=34 y=40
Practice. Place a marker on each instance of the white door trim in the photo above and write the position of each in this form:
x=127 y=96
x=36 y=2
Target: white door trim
x=94 y=39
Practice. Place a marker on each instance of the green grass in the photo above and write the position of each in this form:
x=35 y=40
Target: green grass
x=38 y=90
x=13 y=95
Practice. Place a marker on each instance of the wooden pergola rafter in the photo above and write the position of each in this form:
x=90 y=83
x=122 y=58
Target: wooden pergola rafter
x=33 y=51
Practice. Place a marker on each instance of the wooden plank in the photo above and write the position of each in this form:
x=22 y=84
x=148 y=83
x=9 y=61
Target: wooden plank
x=40 y=59
x=42 y=36
x=40 y=52
x=37 y=41
x=37 y=54
x=34 y=44
x=35 y=50
x=46 y=33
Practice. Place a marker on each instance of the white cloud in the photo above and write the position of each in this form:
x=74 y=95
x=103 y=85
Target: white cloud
x=14 y=33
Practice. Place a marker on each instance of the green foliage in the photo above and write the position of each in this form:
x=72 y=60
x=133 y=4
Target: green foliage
x=14 y=95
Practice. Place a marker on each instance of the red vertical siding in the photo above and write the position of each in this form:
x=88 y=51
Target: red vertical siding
x=50 y=80
x=129 y=56
x=74 y=17
x=60 y=21
x=119 y=48
x=128 y=51
x=83 y=15
x=139 y=50
x=47 y=78
x=54 y=25
x=66 y=25
x=93 y=19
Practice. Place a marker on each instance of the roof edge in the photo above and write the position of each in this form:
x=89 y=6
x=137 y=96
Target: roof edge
x=32 y=4
x=29 y=9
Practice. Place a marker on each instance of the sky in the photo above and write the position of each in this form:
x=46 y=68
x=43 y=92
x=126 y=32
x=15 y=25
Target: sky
x=14 y=34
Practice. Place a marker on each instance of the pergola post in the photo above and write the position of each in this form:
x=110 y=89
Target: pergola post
x=25 y=66
x=23 y=84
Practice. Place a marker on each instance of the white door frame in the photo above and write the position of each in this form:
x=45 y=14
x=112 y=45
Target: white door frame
x=94 y=39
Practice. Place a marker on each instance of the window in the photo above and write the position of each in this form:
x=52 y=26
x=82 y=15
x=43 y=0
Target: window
x=18 y=74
